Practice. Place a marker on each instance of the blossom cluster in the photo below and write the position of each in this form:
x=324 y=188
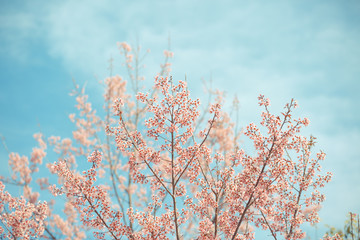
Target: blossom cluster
x=21 y=218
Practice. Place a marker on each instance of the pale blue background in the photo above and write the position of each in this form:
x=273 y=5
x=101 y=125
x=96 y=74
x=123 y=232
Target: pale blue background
x=307 y=50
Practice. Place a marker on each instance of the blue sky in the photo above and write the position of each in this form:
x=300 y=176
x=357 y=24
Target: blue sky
x=307 y=50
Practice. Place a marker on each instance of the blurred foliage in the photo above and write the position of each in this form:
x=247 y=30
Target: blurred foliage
x=351 y=229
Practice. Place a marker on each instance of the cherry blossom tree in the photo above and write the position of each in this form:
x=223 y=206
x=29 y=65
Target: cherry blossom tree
x=159 y=167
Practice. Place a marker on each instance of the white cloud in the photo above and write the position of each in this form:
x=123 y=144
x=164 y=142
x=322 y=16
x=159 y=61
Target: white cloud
x=18 y=29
